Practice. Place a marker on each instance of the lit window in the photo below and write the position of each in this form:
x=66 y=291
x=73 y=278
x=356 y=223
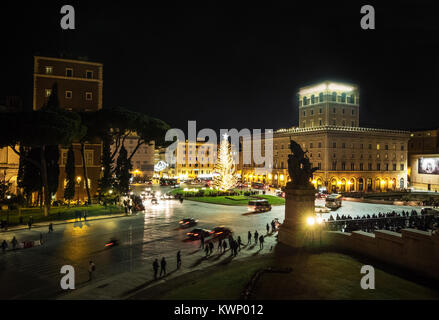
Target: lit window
x=88 y=157
x=48 y=92
x=88 y=96
x=49 y=70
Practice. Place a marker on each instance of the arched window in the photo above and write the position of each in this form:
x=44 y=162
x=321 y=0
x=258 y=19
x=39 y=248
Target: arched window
x=304 y=101
x=360 y=184
x=343 y=185
x=334 y=96
x=377 y=184
x=352 y=98
x=343 y=97
x=352 y=185
x=321 y=97
x=369 y=184
x=313 y=99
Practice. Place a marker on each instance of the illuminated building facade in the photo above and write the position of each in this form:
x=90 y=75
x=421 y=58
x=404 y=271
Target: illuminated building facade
x=348 y=157
x=424 y=160
x=195 y=160
x=143 y=160
x=80 y=85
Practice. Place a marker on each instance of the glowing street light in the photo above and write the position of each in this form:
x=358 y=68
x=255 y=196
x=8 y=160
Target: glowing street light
x=310 y=221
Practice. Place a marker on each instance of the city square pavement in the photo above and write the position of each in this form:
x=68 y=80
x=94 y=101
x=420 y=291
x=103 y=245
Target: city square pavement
x=34 y=273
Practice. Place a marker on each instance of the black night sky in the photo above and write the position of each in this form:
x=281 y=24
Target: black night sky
x=237 y=66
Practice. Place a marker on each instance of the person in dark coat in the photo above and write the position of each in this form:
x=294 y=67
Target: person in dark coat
x=155 y=266
x=178 y=259
x=14 y=242
x=239 y=243
x=224 y=246
x=163 y=267
x=249 y=238
x=4 y=246
x=256 y=236
x=51 y=227
x=261 y=242
x=211 y=247
x=202 y=241
x=268 y=228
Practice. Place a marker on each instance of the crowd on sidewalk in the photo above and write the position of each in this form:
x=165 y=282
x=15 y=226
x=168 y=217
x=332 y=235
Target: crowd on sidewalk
x=391 y=221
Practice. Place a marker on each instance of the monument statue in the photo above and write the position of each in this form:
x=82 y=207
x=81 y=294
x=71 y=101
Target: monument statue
x=299 y=168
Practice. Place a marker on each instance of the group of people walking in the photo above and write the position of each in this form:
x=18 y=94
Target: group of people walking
x=222 y=246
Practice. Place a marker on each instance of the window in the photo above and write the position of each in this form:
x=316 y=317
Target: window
x=378 y=147
x=352 y=99
x=49 y=70
x=370 y=146
x=334 y=165
x=319 y=165
x=320 y=110
x=334 y=97
x=352 y=166
x=320 y=144
x=69 y=72
x=343 y=97
x=361 y=166
x=334 y=144
x=89 y=183
x=88 y=157
x=343 y=166
x=369 y=166
x=313 y=100
x=320 y=122
x=88 y=96
x=333 y=110
x=353 y=111
x=387 y=167
x=394 y=167
x=342 y=111
x=89 y=74
x=378 y=166
x=312 y=111
x=311 y=145
x=343 y=145
x=386 y=147
x=48 y=92
x=68 y=94
x=304 y=113
x=401 y=167
x=321 y=98
x=402 y=147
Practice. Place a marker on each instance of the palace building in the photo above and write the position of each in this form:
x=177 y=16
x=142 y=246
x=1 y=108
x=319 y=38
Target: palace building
x=80 y=84
x=348 y=157
x=195 y=160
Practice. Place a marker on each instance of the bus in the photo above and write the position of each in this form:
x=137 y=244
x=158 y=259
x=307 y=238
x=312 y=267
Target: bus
x=261 y=205
x=333 y=201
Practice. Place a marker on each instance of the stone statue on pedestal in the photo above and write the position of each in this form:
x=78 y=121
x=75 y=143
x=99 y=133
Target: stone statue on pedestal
x=299 y=198
x=299 y=168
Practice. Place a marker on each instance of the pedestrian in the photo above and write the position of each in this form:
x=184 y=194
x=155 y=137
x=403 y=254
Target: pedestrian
x=202 y=240
x=163 y=267
x=261 y=242
x=220 y=245
x=155 y=266
x=273 y=226
x=249 y=237
x=239 y=243
x=211 y=247
x=224 y=246
x=51 y=227
x=4 y=246
x=91 y=269
x=14 y=243
x=232 y=247
x=268 y=228
x=178 y=259
x=256 y=236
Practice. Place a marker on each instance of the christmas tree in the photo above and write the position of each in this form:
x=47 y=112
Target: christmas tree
x=225 y=168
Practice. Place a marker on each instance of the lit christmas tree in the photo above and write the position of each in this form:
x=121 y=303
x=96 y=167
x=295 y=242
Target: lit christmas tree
x=225 y=168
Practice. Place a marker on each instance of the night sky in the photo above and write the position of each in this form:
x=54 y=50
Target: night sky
x=237 y=66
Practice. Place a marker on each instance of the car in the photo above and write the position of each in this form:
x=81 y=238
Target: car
x=221 y=232
x=196 y=233
x=187 y=222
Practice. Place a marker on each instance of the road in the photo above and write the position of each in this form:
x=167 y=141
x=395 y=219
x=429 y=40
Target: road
x=34 y=273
